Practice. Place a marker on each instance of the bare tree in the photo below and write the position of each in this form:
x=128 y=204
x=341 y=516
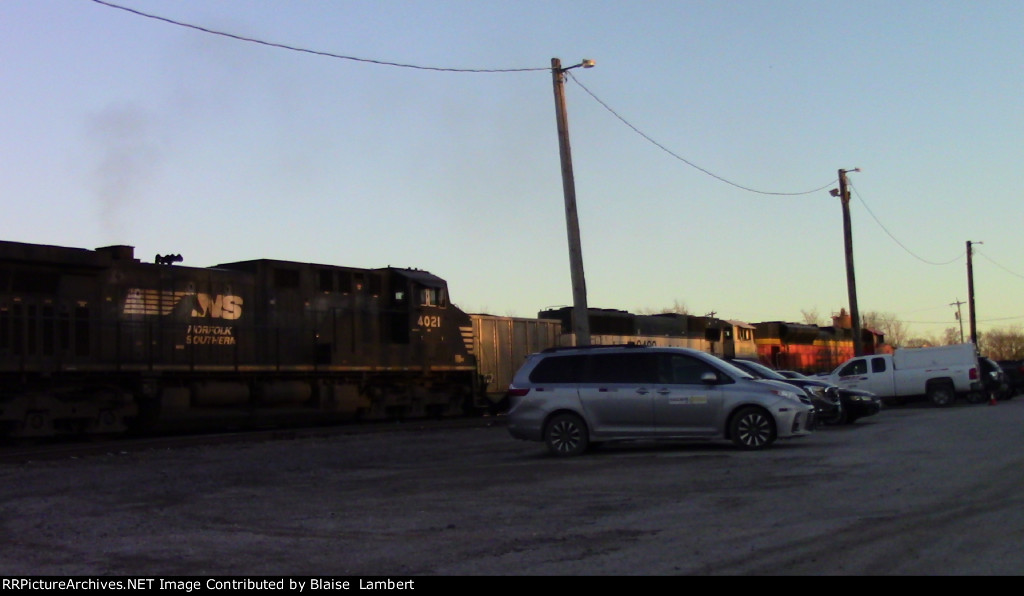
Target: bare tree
x=1003 y=344
x=813 y=317
x=952 y=336
x=678 y=307
x=894 y=330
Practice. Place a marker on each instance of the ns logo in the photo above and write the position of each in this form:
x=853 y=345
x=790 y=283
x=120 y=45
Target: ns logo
x=217 y=307
x=162 y=302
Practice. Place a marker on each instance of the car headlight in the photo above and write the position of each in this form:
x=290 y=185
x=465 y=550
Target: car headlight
x=787 y=394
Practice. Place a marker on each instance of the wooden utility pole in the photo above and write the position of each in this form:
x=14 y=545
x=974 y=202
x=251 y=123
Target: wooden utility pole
x=580 y=317
x=851 y=282
x=970 y=294
x=959 y=317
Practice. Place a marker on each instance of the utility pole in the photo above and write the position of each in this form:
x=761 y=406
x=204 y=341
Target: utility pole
x=851 y=282
x=970 y=294
x=580 y=317
x=959 y=317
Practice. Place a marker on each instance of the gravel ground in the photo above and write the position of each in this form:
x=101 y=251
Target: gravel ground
x=914 y=490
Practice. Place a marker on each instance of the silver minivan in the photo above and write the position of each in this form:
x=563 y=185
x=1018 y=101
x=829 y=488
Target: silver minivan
x=571 y=398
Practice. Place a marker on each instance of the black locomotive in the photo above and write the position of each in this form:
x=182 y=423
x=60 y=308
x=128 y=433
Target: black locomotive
x=99 y=341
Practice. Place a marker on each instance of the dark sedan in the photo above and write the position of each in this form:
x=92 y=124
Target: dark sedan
x=856 y=403
x=1014 y=371
x=993 y=377
x=824 y=396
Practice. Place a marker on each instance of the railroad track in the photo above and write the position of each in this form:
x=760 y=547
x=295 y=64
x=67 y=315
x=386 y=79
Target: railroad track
x=25 y=451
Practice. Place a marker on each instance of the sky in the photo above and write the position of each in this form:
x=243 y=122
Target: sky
x=704 y=144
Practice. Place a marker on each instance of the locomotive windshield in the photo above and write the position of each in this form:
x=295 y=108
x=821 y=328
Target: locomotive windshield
x=433 y=297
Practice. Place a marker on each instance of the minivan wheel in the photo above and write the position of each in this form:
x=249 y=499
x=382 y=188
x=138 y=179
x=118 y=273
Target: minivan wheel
x=566 y=434
x=752 y=428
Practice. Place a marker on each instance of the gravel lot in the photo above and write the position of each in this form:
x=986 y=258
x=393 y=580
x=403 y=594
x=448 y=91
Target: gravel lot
x=914 y=490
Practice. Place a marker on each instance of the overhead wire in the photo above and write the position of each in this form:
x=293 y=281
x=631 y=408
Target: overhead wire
x=450 y=70
x=309 y=51
x=605 y=105
x=686 y=161
x=896 y=240
x=989 y=259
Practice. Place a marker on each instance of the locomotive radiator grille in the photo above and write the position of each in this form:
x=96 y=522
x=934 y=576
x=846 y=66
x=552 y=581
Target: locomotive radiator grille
x=467 y=338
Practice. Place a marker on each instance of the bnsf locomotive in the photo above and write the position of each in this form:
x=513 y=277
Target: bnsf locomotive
x=98 y=341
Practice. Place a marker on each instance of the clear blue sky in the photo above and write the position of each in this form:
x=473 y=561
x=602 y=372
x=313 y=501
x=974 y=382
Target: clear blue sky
x=122 y=129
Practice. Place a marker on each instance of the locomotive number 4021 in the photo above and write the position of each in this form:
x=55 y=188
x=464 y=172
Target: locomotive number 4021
x=430 y=321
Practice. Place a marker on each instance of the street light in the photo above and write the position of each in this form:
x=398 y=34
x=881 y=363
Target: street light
x=581 y=319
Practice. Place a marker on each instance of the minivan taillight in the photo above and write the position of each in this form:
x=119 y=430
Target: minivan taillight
x=516 y=392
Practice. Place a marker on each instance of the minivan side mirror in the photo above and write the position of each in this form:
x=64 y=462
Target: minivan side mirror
x=709 y=378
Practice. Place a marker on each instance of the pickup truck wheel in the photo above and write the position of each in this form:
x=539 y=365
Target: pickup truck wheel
x=941 y=394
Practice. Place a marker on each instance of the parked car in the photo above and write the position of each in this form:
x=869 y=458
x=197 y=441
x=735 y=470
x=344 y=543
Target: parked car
x=573 y=397
x=824 y=396
x=857 y=403
x=1014 y=371
x=994 y=381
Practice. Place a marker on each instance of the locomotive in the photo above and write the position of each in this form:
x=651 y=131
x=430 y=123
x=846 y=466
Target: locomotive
x=803 y=347
x=97 y=341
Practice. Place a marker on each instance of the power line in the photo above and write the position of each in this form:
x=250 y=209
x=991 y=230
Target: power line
x=896 y=240
x=440 y=69
x=308 y=51
x=989 y=259
x=683 y=159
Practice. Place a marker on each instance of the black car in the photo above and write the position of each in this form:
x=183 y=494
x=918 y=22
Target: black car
x=824 y=396
x=857 y=403
x=994 y=379
x=1014 y=371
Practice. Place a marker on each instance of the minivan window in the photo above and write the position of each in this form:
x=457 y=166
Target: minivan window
x=637 y=367
x=558 y=369
x=683 y=370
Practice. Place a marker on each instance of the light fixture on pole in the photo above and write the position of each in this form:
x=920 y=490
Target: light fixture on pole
x=580 y=317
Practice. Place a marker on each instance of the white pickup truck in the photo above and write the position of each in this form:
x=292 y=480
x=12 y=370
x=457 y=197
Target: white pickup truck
x=940 y=373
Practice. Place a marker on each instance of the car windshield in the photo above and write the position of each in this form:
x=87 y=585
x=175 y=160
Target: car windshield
x=732 y=369
x=762 y=370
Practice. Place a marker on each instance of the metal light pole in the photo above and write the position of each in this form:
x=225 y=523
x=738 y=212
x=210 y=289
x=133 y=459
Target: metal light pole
x=581 y=320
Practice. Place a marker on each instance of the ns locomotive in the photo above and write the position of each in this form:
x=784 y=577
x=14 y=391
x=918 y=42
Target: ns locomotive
x=97 y=341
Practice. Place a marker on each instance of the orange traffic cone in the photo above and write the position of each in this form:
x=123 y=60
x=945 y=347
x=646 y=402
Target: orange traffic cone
x=992 y=399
